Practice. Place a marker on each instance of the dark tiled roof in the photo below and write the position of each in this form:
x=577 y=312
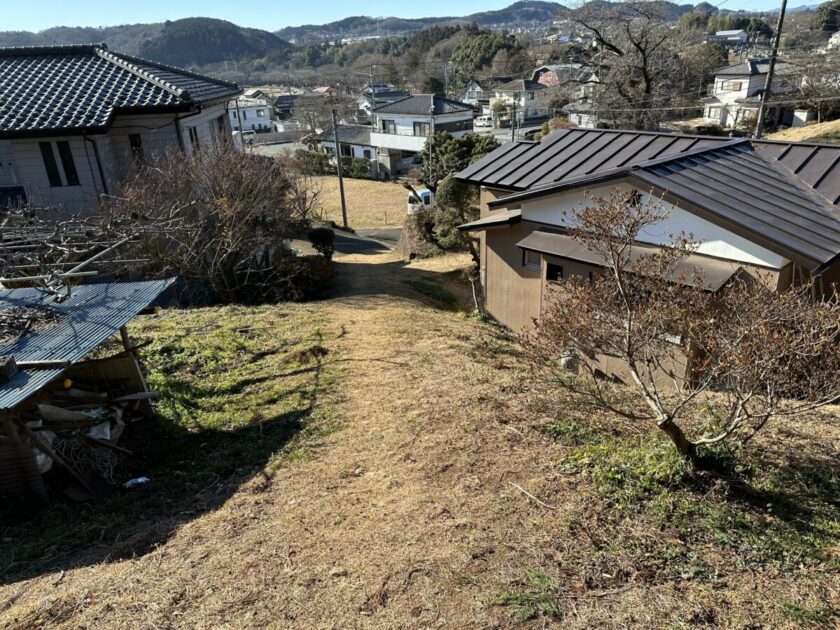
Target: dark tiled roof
x=782 y=195
x=73 y=89
x=420 y=104
x=520 y=85
x=349 y=134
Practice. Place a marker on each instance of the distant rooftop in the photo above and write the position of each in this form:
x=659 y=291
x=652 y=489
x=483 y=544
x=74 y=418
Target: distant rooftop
x=421 y=104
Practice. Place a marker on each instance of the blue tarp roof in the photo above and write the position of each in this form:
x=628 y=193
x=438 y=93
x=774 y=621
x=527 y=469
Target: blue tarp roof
x=91 y=314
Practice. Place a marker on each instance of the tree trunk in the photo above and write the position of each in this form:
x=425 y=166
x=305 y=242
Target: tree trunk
x=684 y=446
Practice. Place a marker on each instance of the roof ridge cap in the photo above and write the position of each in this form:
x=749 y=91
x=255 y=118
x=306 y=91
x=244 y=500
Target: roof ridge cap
x=687 y=154
x=165 y=66
x=143 y=74
x=809 y=190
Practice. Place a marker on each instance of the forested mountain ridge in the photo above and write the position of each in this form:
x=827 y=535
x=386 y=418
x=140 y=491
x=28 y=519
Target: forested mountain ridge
x=187 y=42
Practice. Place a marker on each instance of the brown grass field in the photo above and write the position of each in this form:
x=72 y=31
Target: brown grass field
x=370 y=204
x=381 y=459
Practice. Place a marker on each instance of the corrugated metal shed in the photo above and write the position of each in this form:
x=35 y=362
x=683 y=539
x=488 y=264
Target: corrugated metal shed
x=89 y=316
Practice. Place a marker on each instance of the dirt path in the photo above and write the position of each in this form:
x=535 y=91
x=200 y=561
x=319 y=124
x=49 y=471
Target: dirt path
x=403 y=518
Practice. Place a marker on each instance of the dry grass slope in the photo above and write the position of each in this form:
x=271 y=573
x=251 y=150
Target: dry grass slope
x=822 y=132
x=399 y=499
x=370 y=204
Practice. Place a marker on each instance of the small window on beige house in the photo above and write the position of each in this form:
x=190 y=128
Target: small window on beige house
x=553 y=273
x=531 y=260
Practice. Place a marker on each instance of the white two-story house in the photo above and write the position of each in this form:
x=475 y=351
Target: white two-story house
x=736 y=93
x=251 y=114
x=76 y=120
x=401 y=128
x=522 y=98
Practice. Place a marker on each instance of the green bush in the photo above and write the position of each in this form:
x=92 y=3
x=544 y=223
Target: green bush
x=313 y=162
x=323 y=240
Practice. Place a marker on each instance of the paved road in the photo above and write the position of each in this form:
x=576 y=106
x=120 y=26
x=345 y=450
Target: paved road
x=387 y=236
x=346 y=243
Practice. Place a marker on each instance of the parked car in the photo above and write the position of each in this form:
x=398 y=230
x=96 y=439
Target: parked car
x=484 y=121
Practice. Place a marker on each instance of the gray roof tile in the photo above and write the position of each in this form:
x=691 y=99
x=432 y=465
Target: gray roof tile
x=73 y=89
x=420 y=104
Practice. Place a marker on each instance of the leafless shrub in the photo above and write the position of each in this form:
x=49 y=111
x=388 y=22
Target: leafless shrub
x=221 y=220
x=738 y=358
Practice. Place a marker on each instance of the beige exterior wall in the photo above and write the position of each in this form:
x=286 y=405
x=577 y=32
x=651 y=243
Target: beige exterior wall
x=513 y=292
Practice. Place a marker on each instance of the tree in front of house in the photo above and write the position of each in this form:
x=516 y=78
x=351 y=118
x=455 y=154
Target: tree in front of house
x=450 y=154
x=433 y=85
x=456 y=203
x=703 y=367
x=641 y=74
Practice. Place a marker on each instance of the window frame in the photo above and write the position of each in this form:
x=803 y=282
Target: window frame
x=50 y=164
x=554 y=274
x=135 y=142
x=531 y=266
x=425 y=127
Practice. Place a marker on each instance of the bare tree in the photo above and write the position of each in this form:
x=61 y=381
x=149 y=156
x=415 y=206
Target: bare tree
x=639 y=71
x=733 y=360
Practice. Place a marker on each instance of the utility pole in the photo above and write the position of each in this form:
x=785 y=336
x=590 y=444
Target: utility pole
x=372 y=88
x=338 y=170
x=431 y=139
x=446 y=79
x=768 y=82
x=513 y=119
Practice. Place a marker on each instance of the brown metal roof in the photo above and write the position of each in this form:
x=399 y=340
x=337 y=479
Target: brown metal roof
x=783 y=196
x=696 y=271
x=570 y=153
x=494 y=220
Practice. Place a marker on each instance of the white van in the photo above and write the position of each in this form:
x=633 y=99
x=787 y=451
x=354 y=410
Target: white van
x=484 y=121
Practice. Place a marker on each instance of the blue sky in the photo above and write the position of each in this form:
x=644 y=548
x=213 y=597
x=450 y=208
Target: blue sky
x=266 y=15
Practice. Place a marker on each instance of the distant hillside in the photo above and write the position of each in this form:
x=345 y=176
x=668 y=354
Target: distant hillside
x=187 y=42
x=199 y=41
x=523 y=13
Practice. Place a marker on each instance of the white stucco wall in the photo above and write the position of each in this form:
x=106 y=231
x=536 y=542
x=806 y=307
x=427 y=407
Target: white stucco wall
x=712 y=240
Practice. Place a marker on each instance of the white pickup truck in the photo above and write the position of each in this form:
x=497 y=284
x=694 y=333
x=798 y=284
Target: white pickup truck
x=423 y=199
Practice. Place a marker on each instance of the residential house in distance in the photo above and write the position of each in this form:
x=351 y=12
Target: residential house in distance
x=325 y=90
x=528 y=99
x=374 y=96
x=574 y=84
x=251 y=114
x=729 y=38
x=767 y=209
x=736 y=93
x=474 y=94
x=283 y=106
x=75 y=120
x=401 y=128
x=353 y=141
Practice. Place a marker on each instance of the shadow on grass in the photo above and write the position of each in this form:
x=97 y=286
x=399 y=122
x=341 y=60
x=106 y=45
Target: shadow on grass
x=192 y=472
x=439 y=289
